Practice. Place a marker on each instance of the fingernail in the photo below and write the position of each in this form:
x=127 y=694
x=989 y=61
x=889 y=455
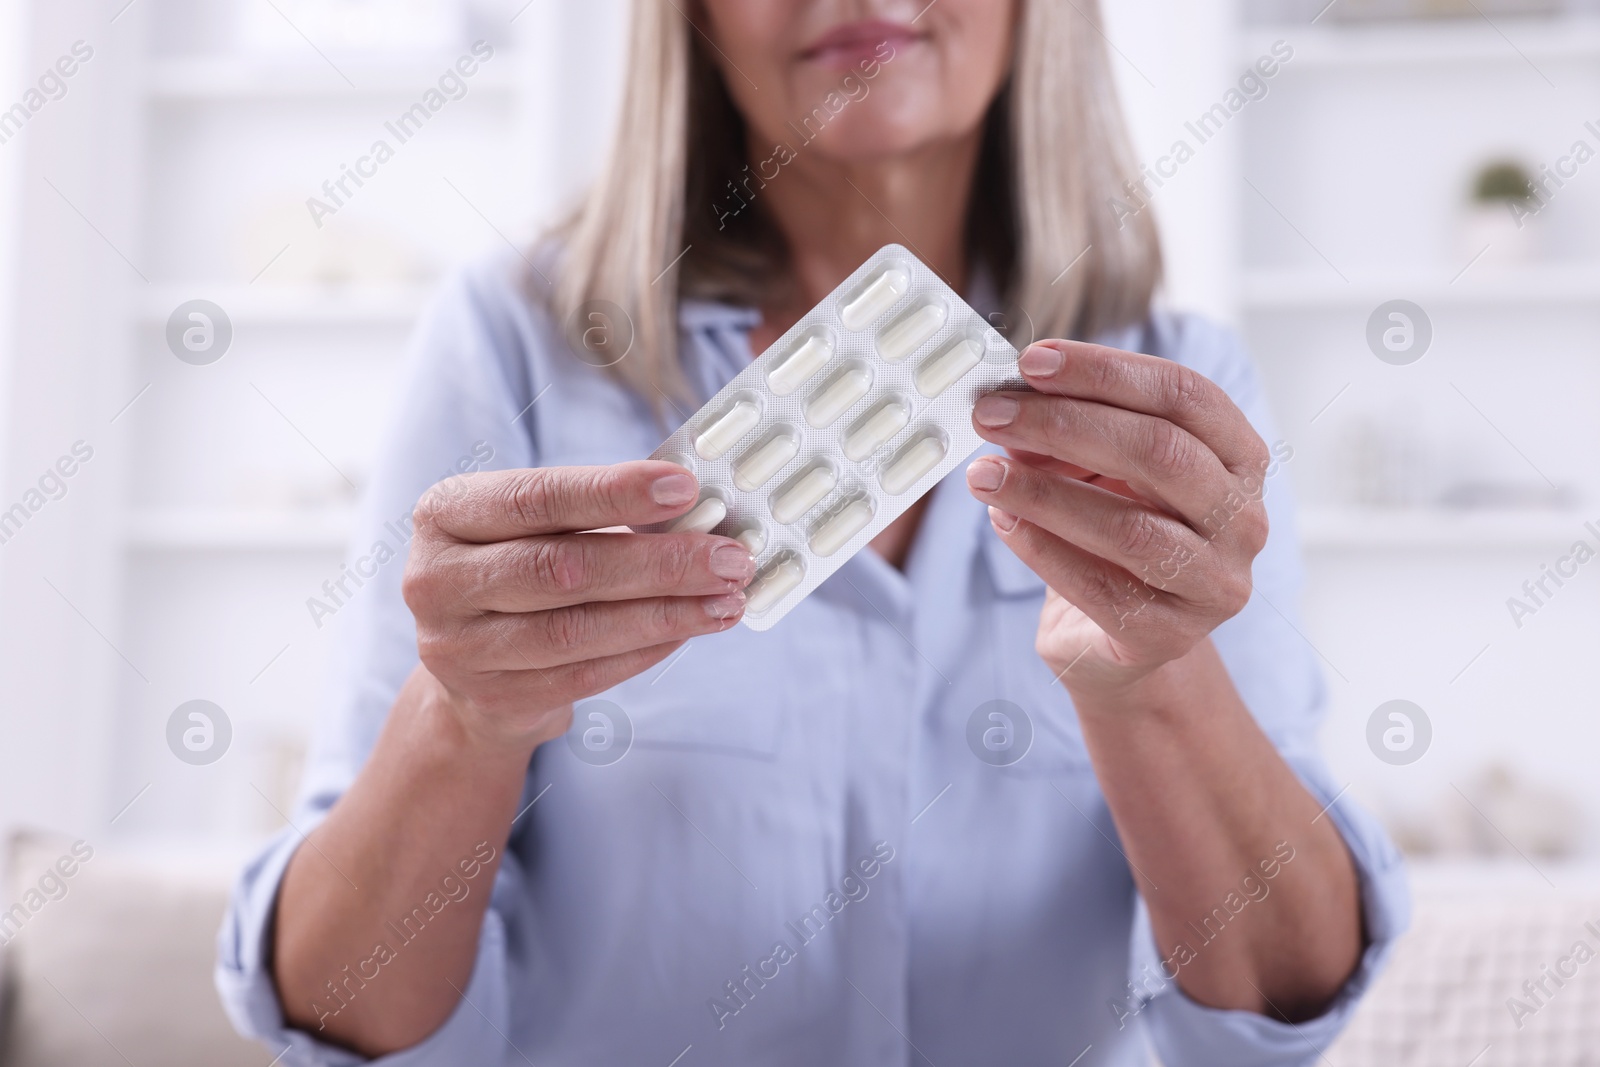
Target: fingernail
x=996 y=411
x=732 y=562
x=726 y=606
x=986 y=475
x=1004 y=521
x=674 y=490
x=1041 y=361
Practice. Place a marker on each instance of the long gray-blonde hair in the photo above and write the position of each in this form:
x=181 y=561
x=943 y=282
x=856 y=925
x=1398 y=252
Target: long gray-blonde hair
x=1056 y=153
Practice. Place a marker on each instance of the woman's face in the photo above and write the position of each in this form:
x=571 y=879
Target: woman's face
x=860 y=80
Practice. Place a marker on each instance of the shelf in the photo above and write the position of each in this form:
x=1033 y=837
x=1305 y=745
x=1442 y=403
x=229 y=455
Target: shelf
x=207 y=529
x=1541 y=284
x=356 y=305
x=1407 y=45
x=1354 y=529
x=244 y=79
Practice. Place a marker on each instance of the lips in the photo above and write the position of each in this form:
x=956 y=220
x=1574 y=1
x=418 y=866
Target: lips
x=853 y=42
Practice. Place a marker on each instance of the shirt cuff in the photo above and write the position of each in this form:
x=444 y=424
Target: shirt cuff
x=474 y=1032
x=1188 y=1034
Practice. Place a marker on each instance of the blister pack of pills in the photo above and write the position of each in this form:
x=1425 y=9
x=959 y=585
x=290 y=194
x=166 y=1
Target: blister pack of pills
x=844 y=423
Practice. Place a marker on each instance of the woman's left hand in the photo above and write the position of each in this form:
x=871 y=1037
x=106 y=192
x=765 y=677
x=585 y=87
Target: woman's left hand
x=1133 y=487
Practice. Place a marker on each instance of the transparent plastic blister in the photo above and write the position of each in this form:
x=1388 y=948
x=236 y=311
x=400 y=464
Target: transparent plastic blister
x=845 y=422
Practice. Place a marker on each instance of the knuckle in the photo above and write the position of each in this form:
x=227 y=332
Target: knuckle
x=1170 y=451
x=568 y=630
x=1254 y=528
x=1233 y=594
x=1187 y=395
x=535 y=501
x=1137 y=533
x=675 y=560
x=558 y=565
x=588 y=677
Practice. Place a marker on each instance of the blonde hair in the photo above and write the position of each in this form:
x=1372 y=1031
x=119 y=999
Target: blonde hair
x=1056 y=153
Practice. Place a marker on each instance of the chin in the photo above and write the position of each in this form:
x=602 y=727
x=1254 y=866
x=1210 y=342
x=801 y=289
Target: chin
x=867 y=137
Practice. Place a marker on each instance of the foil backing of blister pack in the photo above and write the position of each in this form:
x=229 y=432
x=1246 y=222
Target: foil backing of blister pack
x=831 y=434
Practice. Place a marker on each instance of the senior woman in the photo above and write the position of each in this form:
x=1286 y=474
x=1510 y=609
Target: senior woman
x=1031 y=782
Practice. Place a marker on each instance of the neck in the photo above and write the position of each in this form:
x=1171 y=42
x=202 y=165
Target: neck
x=833 y=216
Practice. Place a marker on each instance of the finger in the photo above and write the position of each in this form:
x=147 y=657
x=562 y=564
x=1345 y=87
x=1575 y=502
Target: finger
x=1153 y=548
x=1156 y=457
x=1114 y=600
x=510 y=693
x=1149 y=385
x=539 y=573
x=501 y=505
x=546 y=639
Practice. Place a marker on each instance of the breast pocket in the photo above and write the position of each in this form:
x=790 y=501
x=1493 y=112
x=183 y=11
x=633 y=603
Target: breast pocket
x=1034 y=709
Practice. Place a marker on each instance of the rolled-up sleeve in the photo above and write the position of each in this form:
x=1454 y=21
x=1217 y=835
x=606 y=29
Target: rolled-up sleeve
x=1279 y=675
x=464 y=406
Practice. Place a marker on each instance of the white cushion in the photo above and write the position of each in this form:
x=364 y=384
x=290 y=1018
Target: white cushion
x=118 y=969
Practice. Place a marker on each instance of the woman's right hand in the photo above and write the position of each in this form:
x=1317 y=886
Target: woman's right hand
x=519 y=613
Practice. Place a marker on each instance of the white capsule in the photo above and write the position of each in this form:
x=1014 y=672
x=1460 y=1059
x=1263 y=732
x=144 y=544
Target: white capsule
x=909 y=333
x=944 y=368
x=756 y=467
x=798 y=366
x=874 y=428
x=837 y=396
x=774 y=582
x=715 y=440
x=754 y=539
x=879 y=296
x=702 y=517
x=911 y=463
x=803 y=492
x=836 y=530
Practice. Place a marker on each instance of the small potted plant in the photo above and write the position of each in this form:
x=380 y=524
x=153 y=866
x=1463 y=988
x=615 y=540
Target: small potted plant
x=1502 y=213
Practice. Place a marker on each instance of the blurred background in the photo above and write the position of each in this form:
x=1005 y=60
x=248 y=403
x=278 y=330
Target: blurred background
x=1401 y=218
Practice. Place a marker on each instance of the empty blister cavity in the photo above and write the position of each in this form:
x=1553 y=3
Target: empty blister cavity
x=774 y=582
x=912 y=330
x=702 y=517
x=838 y=395
x=800 y=365
x=908 y=465
x=728 y=428
x=769 y=456
x=842 y=522
x=877 y=296
x=753 y=538
x=948 y=366
x=803 y=492
x=874 y=429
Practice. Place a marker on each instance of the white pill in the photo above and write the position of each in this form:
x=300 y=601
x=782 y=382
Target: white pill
x=702 y=517
x=944 y=368
x=756 y=467
x=838 y=396
x=879 y=296
x=912 y=462
x=798 y=366
x=754 y=539
x=715 y=440
x=803 y=492
x=907 y=335
x=874 y=428
x=837 y=529
x=775 y=581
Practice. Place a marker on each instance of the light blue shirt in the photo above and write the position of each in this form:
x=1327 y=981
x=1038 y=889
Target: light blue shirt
x=800 y=858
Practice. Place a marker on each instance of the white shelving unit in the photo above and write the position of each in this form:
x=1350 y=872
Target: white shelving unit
x=1359 y=160
x=1373 y=530
x=1526 y=285
x=178 y=168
